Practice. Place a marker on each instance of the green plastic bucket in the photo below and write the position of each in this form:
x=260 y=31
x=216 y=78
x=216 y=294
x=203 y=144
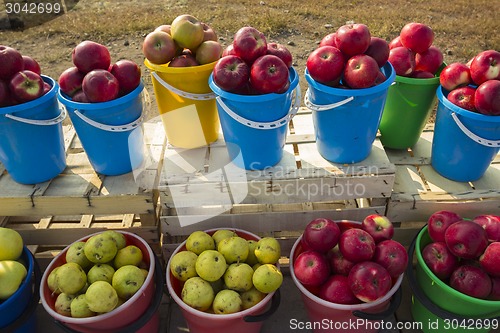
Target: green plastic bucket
x=409 y=104
x=439 y=307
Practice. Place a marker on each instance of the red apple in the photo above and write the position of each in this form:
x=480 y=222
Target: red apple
x=4 y=93
x=471 y=280
x=159 y=47
x=454 y=75
x=281 y=52
x=336 y=290
x=208 y=52
x=380 y=78
x=328 y=40
x=231 y=73
x=128 y=74
x=208 y=33
x=440 y=221
x=165 y=28
x=357 y=245
x=396 y=42
x=439 y=259
x=378 y=50
x=485 y=66
x=26 y=86
x=429 y=60
x=31 y=64
x=325 y=64
x=361 y=71
x=353 y=39
x=12 y=62
x=321 y=235
x=369 y=281
x=391 y=255
x=269 y=74
x=311 y=268
x=417 y=37
x=46 y=87
x=491 y=224
x=403 y=60
x=100 y=85
x=490 y=259
x=338 y=263
x=487 y=98
x=183 y=60
x=422 y=75
x=70 y=81
x=80 y=97
x=229 y=50
x=466 y=239
x=463 y=97
x=249 y=44
x=378 y=226
x=187 y=31
x=495 y=289
x=89 y=55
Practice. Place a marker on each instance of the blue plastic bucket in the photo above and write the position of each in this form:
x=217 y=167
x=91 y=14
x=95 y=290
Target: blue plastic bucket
x=31 y=138
x=255 y=126
x=17 y=313
x=110 y=132
x=346 y=120
x=464 y=142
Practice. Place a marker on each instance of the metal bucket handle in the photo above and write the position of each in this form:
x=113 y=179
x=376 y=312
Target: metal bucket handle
x=275 y=303
x=315 y=107
x=188 y=95
x=44 y=122
x=474 y=137
x=109 y=128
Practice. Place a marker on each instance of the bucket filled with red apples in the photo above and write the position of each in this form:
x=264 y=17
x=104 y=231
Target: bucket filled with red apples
x=349 y=273
x=456 y=280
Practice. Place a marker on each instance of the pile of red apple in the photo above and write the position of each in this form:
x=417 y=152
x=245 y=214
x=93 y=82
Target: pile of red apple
x=474 y=86
x=185 y=42
x=94 y=79
x=465 y=253
x=350 y=265
x=20 y=78
x=252 y=66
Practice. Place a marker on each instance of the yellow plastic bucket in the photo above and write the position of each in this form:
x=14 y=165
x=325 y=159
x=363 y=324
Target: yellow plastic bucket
x=186 y=104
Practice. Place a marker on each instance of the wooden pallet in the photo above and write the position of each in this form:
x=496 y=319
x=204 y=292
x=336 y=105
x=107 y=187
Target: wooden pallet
x=420 y=191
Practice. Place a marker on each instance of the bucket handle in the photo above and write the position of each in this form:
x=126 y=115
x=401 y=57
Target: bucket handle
x=422 y=298
x=474 y=137
x=110 y=128
x=144 y=319
x=44 y=122
x=315 y=107
x=275 y=302
x=185 y=94
x=32 y=306
x=264 y=125
x=393 y=306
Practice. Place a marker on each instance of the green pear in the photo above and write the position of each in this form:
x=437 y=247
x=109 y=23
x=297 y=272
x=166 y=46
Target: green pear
x=182 y=265
x=129 y=255
x=199 y=241
x=12 y=274
x=238 y=277
x=267 y=278
x=221 y=234
x=234 y=249
x=197 y=293
x=80 y=308
x=75 y=254
x=127 y=280
x=63 y=304
x=101 y=297
x=52 y=282
x=145 y=272
x=251 y=259
x=100 y=248
x=118 y=237
x=210 y=265
x=70 y=278
x=227 y=301
x=251 y=297
x=11 y=244
x=100 y=272
x=268 y=250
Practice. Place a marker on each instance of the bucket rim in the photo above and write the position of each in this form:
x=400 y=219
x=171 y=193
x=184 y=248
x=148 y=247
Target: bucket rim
x=164 y=68
x=27 y=280
x=36 y=102
x=66 y=100
x=422 y=81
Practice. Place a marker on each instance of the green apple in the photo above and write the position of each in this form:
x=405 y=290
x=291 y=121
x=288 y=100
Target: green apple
x=70 y=278
x=197 y=293
x=234 y=249
x=100 y=272
x=227 y=301
x=221 y=234
x=63 y=304
x=101 y=297
x=11 y=244
x=187 y=31
x=12 y=274
x=268 y=250
x=79 y=307
x=208 y=51
x=75 y=254
x=100 y=248
x=210 y=265
x=129 y=255
x=52 y=282
x=238 y=277
x=118 y=237
x=199 y=241
x=251 y=259
x=127 y=280
x=267 y=278
x=182 y=265
x=251 y=297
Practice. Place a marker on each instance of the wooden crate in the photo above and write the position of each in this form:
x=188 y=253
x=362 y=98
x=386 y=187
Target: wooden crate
x=420 y=191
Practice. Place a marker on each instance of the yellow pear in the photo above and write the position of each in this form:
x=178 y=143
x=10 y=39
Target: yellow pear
x=11 y=244
x=12 y=274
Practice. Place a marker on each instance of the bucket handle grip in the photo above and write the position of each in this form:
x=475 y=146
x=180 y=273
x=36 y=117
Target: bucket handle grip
x=276 y=300
x=474 y=137
x=264 y=125
x=422 y=298
x=393 y=306
x=185 y=94
x=109 y=128
x=144 y=319
x=43 y=122
x=315 y=107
